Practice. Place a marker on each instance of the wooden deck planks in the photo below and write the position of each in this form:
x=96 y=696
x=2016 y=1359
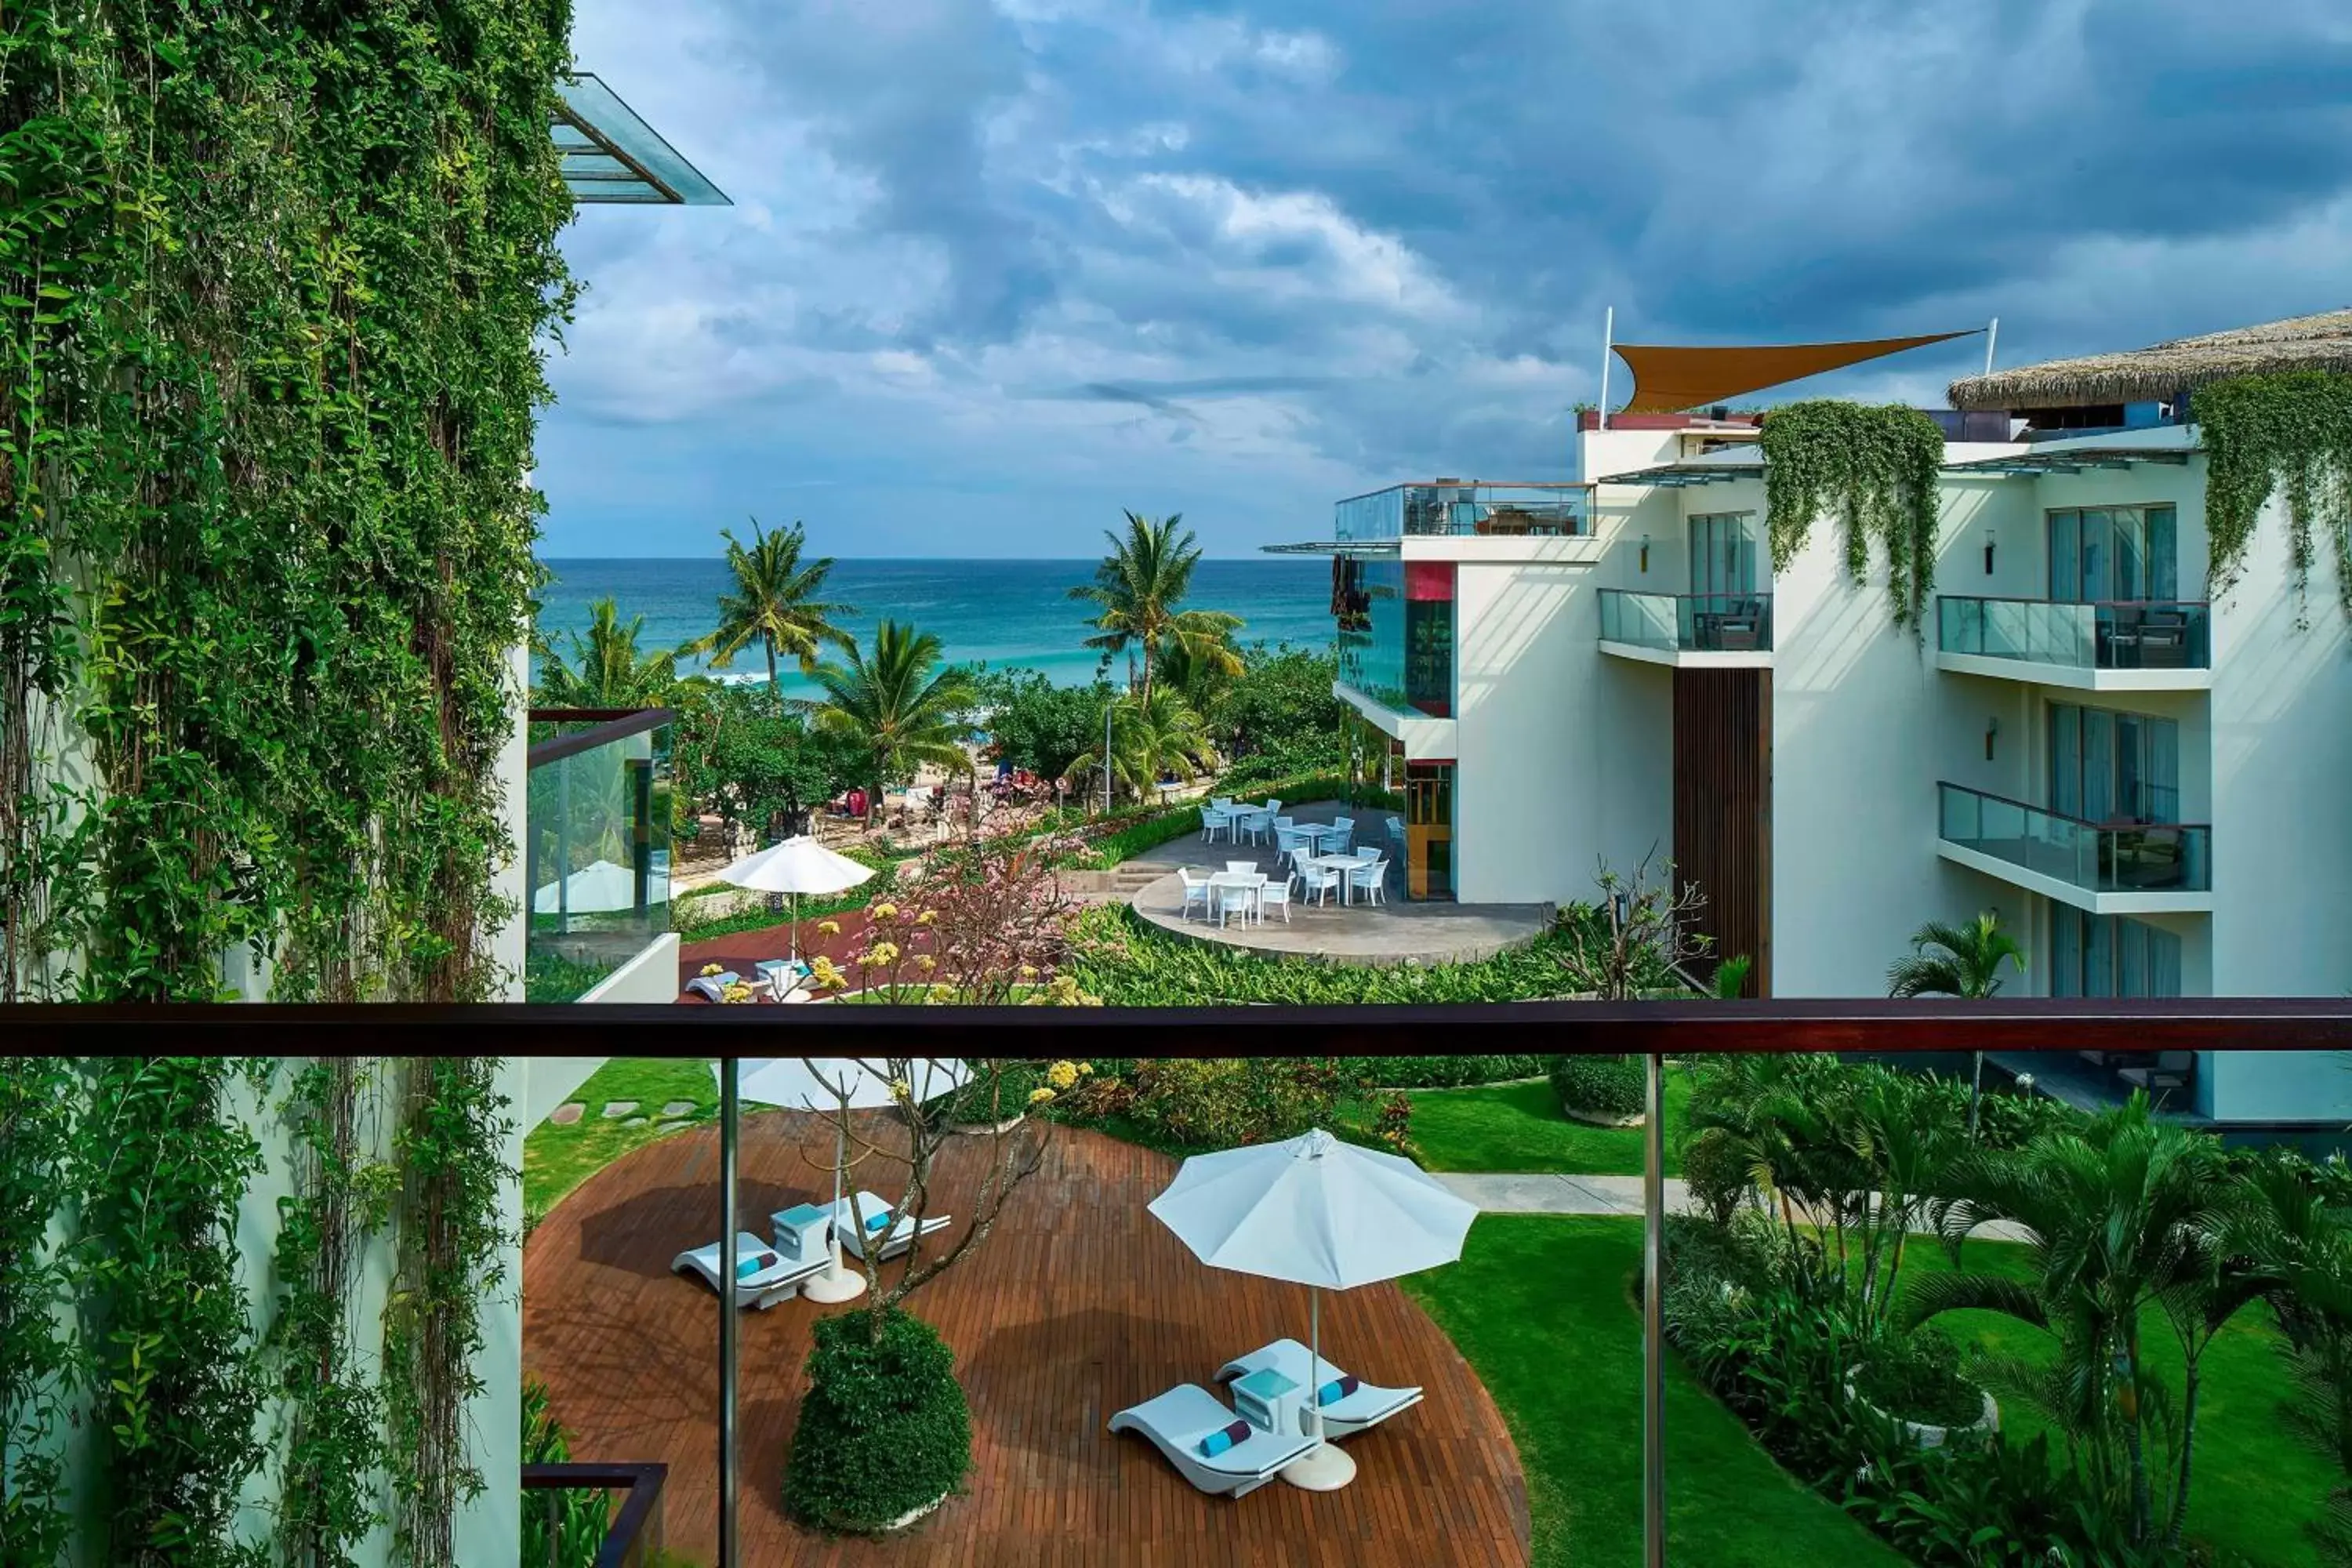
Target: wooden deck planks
x=1079 y=1304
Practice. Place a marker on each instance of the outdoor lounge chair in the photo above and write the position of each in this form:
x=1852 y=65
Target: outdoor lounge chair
x=779 y=1280
x=894 y=1232
x=1344 y=1416
x=1181 y=1418
x=712 y=987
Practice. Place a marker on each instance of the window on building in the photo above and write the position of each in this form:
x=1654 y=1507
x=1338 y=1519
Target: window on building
x=1725 y=549
x=2110 y=956
x=2122 y=554
x=2106 y=766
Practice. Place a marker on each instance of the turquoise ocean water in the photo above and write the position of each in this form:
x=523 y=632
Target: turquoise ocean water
x=1002 y=611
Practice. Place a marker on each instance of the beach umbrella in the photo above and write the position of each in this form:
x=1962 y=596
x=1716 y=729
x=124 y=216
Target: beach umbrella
x=1318 y=1213
x=797 y=866
x=597 y=889
x=824 y=1083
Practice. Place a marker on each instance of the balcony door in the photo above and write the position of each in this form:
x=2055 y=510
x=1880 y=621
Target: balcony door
x=1725 y=549
x=1429 y=831
x=2110 y=956
x=2113 y=553
x=2107 y=767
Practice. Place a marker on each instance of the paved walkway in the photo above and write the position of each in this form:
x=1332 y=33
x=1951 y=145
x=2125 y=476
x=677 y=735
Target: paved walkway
x=1500 y=1192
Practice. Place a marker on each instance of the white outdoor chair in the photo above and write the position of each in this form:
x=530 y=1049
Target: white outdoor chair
x=1221 y=802
x=1272 y=806
x=1257 y=824
x=1184 y=1417
x=763 y=1276
x=1214 y=821
x=1233 y=896
x=1396 y=831
x=1241 y=868
x=1371 y=881
x=1319 y=880
x=1286 y=842
x=888 y=1233
x=1274 y=894
x=1344 y=1411
x=1196 y=891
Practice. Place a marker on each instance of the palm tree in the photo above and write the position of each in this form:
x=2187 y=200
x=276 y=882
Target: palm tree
x=898 y=703
x=1957 y=961
x=605 y=669
x=1202 y=673
x=1150 y=736
x=1136 y=591
x=2121 y=1216
x=775 y=604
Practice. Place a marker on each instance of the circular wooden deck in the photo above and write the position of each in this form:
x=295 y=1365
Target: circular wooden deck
x=1079 y=1304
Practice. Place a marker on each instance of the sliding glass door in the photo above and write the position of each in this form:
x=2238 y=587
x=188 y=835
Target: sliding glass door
x=2106 y=766
x=2110 y=553
x=1724 y=554
x=2110 y=956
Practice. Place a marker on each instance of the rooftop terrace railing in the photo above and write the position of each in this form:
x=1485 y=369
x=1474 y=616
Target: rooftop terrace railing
x=1466 y=507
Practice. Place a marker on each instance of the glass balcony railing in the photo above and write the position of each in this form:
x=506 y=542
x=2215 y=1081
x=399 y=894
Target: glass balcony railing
x=596 y=847
x=1503 y=511
x=2136 y=634
x=2099 y=857
x=1687 y=623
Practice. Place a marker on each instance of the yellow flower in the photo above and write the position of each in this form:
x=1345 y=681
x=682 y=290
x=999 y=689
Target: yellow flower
x=883 y=952
x=710 y=969
x=927 y=917
x=899 y=1092
x=1085 y=1070
x=1040 y=1096
x=927 y=963
x=885 y=911
x=1028 y=972
x=1062 y=1076
x=827 y=974
x=941 y=993
x=830 y=927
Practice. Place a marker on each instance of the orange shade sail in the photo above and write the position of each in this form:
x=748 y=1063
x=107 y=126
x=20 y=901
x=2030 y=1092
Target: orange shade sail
x=1669 y=380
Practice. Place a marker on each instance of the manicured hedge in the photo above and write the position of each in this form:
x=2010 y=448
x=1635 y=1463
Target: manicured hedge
x=1449 y=1072
x=1599 y=1085
x=883 y=1428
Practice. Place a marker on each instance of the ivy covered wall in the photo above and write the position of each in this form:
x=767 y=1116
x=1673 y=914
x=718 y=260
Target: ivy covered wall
x=275 y=281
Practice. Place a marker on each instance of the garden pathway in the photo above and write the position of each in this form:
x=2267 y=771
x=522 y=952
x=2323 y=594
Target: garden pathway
x=1501 y=1193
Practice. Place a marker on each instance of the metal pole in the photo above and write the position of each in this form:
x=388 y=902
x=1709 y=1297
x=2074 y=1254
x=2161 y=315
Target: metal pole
x=1992 y=336
x=1654 y=1348
x=1108 y=709
x=730 y=1115
x=1608 y=347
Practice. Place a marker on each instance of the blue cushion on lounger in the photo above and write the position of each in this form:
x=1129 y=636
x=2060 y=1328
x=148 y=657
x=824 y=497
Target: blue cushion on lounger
x=746 y=1267
x=1336 y=1389
x=874 y=1222
x=1222 y=1438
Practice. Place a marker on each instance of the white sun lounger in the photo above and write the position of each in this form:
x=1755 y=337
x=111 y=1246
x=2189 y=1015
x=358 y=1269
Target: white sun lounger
x=895 y=1231
x=1179 y=1418
x=778 y=1282
x=1344 y=1417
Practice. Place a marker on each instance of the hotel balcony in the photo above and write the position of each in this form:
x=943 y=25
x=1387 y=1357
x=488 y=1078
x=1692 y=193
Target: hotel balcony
x=1719 y=630
x=2136 y=645
x=1466 y=508
x=2105 y=867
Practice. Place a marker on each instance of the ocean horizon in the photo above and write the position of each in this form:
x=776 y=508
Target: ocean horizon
x=1001 y=612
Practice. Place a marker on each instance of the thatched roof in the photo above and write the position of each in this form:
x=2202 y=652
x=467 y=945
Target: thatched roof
x=2159 y=373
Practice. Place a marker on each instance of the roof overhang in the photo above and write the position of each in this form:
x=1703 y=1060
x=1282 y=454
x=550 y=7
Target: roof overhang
x=2071 y=460
x=1675 y=476
x=1334 y=547
x=611 y=157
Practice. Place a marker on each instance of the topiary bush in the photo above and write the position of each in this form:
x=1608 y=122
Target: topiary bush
x=1718 y=1173
x=1448 y=1072
x=884 y=1427
x=1599 y=1085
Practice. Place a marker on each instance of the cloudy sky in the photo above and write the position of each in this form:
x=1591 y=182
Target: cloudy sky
x=997 y=270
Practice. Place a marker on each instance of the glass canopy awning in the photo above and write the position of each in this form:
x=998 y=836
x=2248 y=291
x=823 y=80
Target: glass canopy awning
x=612 y=155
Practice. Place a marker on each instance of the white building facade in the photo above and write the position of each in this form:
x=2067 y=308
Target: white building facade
x=2144 y=782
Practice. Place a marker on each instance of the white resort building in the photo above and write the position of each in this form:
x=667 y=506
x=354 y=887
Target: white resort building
x=2143 y=778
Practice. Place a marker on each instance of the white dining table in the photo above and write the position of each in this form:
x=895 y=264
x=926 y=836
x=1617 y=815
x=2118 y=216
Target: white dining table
x=1343 y=863
x=1252 y=880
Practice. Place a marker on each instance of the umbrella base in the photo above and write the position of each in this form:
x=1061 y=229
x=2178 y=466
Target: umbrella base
x=1325 y=1470
x=836 y=1284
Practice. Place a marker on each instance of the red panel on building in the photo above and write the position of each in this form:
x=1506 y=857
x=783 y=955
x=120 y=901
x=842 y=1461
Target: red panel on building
x=1427 y=581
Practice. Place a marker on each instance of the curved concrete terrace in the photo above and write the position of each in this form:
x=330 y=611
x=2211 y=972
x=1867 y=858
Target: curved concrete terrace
x=1396 y=932
x=1079 y=1304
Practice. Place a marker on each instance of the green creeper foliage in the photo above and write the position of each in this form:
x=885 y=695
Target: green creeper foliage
x=2263 y=434
x=38 y=1113
x=274 y=284
x=1876 y=468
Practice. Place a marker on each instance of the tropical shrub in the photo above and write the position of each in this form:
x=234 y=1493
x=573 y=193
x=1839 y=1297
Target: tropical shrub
x=578 y=1516
x=1448 y=1072
x=1599 y=1085
x=1719 y=1174
x=1917 y=1377
x=1037 y=725
x=1280 y=713
x=1223 y=1104
x=1392 y=1124
x=884 y=1427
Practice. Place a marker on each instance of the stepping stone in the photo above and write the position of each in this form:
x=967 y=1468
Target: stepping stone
x=618 y=1107
x=677 y=1107
x=565 y=1115
x=635 y=1121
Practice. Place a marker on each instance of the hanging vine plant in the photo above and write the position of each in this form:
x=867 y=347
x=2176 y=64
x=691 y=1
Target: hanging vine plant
x=37 y=1097
x=2291 y=432
x=452 y=1156
x=273 y=301
x=1875 y=468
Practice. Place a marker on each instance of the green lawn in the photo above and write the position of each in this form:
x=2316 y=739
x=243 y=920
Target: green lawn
x=2255 y=1487
x=1519 y=1127
x=1541 y=1305
x=557 y=1159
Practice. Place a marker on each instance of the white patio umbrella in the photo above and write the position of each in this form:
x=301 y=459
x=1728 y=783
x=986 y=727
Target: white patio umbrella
x=797 y=866
x=1318 y=1213
x=597 y=889
x=820 y=1083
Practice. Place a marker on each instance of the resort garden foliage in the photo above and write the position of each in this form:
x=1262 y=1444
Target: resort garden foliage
x=2288 y=433
x=274 y=296
x=1875 y=470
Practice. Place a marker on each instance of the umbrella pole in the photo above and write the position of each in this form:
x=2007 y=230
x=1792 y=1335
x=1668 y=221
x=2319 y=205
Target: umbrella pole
x=729 y=1116
x=1322 y=1468
x=796 y=939
x=836 y=1283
